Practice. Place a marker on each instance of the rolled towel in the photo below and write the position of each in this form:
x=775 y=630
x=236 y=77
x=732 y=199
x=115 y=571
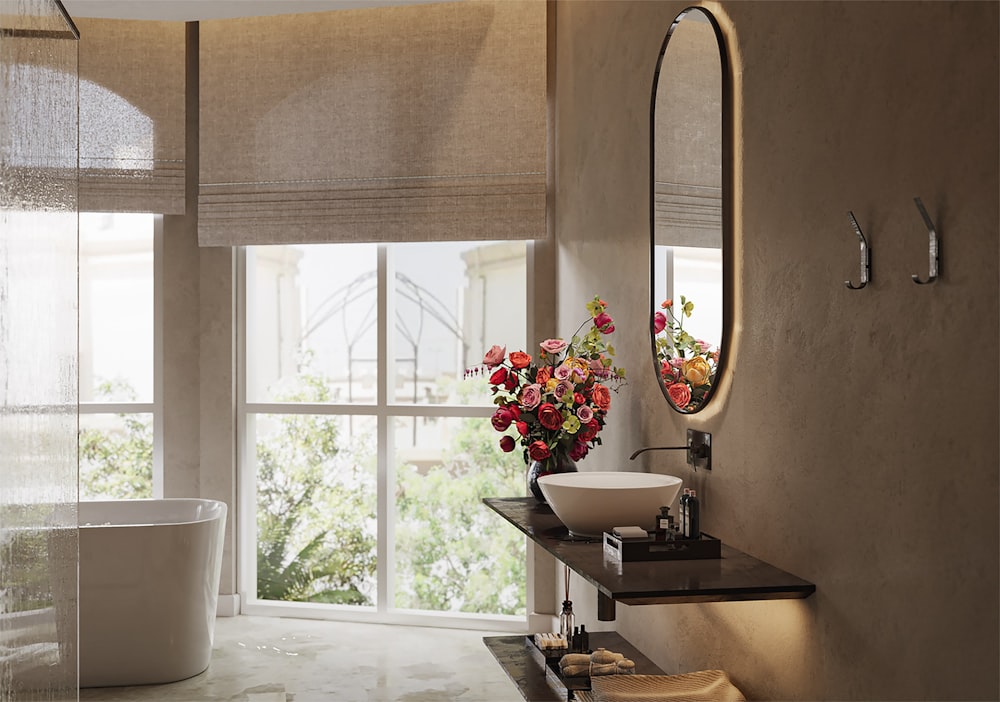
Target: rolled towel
x=625 y=667
x=574 y=659
x=602 y=656
x=603 y=669
x=575 y=671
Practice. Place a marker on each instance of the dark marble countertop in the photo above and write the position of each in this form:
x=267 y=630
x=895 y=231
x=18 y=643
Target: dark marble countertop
x=734 y=576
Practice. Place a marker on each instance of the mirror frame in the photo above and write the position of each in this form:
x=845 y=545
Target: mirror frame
x=728 y=255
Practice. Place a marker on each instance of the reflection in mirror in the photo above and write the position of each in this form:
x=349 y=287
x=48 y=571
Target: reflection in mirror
x=687 y=210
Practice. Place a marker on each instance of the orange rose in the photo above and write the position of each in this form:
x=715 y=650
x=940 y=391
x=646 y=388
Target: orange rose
x=602 y=397
x=543 y=375
x=519 y=359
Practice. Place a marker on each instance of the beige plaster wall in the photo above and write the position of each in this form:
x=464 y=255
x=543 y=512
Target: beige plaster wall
x=856 y=432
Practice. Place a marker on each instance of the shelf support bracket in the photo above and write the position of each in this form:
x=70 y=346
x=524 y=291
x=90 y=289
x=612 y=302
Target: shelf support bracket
x=605 y=608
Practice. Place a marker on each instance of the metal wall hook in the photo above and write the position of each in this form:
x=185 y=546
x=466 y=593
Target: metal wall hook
x=866 y=259
x=932 y=246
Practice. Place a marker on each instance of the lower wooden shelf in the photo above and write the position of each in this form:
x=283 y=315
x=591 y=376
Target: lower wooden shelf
x=537 y=682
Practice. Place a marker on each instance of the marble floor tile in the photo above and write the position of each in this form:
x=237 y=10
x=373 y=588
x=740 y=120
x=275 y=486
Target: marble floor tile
x=270 y=659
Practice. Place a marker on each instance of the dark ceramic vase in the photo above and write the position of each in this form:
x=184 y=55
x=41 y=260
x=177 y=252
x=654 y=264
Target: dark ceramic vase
x=558 y=462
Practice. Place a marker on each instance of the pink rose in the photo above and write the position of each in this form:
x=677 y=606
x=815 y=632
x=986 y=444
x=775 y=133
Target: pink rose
x=579 y=451
x=563 y=372
x=597 y=368
x=495 y=356
x=584 y=414
x=507 y=444
x=563 y=388
x=659 y=322
x=553 y=346
x=538 y=450
x=531 y=395
x=502 y=418
x=680 y=394
x=704 y=346
x=604 y=323
x=677 y=362
x=549 y=417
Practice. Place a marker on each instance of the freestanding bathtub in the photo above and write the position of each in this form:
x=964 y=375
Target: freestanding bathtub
x=149 y=584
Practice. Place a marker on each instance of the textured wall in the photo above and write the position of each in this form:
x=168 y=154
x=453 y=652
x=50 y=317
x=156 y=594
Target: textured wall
x=855 y=434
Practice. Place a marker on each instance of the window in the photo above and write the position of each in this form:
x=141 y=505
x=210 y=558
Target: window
x=116 y=355
x=696 y=273
x=366 y=452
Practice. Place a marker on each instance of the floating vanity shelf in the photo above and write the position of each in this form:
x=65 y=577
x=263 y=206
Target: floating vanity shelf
x=734 y=576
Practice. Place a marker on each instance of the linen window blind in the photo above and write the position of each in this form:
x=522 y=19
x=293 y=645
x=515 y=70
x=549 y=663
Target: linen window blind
x=687 y=193
x=407 y=123
x=131 y=116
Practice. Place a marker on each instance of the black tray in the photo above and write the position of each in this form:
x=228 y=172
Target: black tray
x=625 y=550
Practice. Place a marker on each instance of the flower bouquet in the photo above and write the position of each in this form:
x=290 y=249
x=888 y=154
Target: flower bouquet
x=687 y=365
x=555 y=404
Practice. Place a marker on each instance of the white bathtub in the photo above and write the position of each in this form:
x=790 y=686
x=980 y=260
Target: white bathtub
x=149 y=586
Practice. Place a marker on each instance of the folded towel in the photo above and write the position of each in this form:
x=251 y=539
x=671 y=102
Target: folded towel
x=701 y=686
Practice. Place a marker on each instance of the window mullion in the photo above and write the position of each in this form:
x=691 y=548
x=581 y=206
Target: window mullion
x=386 y=474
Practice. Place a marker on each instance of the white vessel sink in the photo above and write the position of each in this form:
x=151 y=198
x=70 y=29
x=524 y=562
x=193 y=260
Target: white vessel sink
x=590 y=503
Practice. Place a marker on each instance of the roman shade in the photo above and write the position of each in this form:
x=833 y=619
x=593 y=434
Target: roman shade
x=687 y=171
x=131 y=116
x=407 y=123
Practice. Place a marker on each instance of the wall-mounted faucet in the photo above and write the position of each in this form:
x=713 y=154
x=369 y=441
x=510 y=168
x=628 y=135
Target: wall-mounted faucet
x=698 y=447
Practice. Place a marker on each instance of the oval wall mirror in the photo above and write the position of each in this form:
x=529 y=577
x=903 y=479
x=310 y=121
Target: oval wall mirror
x=689 y=210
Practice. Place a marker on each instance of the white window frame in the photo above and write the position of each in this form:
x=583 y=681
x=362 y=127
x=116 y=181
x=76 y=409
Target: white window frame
x=384 y=412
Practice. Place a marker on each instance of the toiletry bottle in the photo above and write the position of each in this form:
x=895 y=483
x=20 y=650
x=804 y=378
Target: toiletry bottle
x=566 y=621
x=694 y=516
x=663 y=521
x=684 y=512
x=584 y=639
x=575 y=644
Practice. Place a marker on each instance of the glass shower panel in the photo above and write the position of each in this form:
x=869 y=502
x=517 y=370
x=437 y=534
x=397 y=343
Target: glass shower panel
x=38 y=352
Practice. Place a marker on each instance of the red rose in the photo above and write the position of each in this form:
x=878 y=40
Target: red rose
x=589 y=430
x=499 y=376
x=539 y=450
x=602 y=397
x=519 y=359
x=604 y=323
x=680 y=394
x=522 y=428
x=507 y=443
x=502 y=418
x=579 y=399
x=579 y=450
x=549 y=417
x=511 y=382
